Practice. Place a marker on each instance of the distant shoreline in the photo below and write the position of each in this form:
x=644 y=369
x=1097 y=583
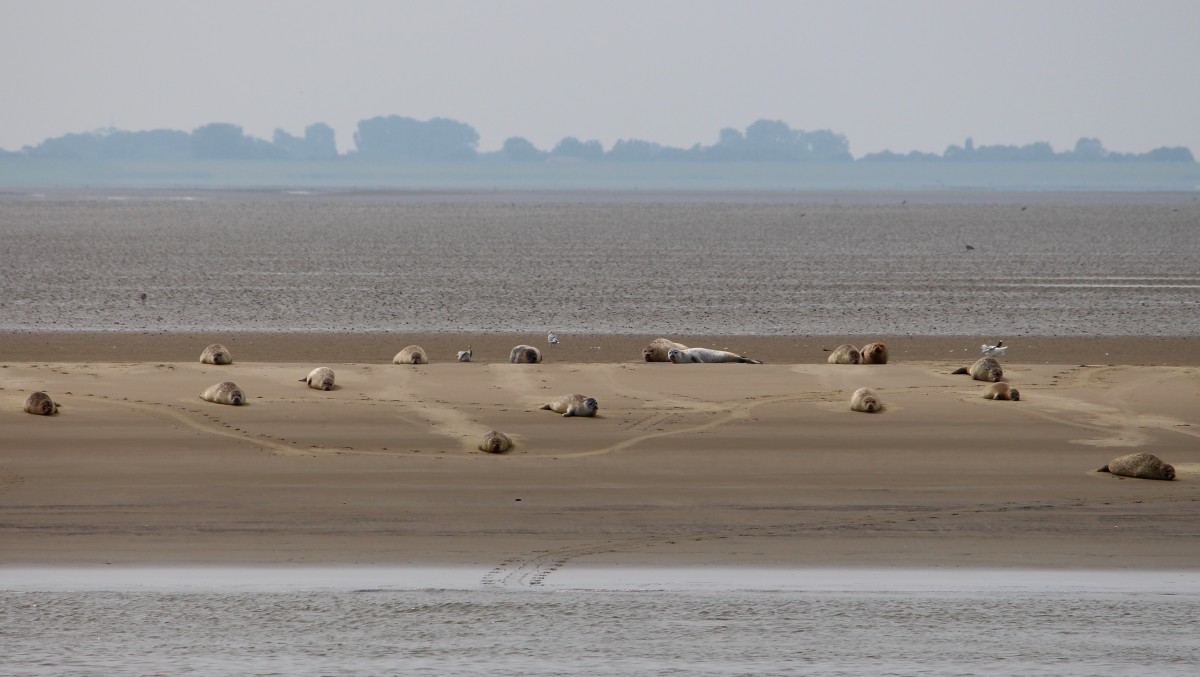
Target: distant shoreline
x=27 y=173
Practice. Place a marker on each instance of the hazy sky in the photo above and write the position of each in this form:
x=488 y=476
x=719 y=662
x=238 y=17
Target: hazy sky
x=904 y=75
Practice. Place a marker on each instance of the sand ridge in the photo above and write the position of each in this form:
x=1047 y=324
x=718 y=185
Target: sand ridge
x=684 y=464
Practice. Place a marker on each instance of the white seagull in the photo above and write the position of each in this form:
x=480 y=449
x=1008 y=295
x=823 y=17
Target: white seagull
x=992 y=351
x=465 y=355
x=552 y=338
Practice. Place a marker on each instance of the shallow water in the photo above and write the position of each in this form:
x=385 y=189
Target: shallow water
x=876 y=264
x=608 y=622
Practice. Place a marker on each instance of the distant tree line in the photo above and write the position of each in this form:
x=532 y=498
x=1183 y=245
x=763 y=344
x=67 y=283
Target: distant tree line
x=397 y=139
x=1086 y=150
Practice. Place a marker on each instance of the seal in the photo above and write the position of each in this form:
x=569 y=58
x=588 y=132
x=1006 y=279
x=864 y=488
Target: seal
x=225 y=392
x=657 y=350
x=216 y=354
x=845 y=354
x=465 y=355
x=495 y=442
x=573 y=405
x=524 y=354
x=984 y=369
x=866 y=400
x=874 y=353
x=320 y=378
x=706 y=355
x=1001 y=391
x=1141 y=466
x=411 y=355
x=41 y=404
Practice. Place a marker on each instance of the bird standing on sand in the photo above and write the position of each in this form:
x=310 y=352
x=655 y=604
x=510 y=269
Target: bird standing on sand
x=552 y=338
x=992 y=351
x=465 y=355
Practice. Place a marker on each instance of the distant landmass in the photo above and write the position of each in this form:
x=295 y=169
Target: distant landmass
x=393 y=150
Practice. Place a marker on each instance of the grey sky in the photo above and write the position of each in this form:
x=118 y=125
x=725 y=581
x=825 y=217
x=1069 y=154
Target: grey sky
x=914 y=75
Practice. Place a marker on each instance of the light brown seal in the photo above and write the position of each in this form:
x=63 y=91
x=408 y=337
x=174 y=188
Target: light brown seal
x=867 y=400
x=984 y=369
x=216 y=354
x=657 y=350
x=706 y=355
x=41 y=404
x=874 y=353
x=225 y=392
x=524 y=354
x=573 y=405
x=495 y=442
x=845 y=354
x=1001 y=391
x=320 y=378
x=411 y=355
x=1141 y=466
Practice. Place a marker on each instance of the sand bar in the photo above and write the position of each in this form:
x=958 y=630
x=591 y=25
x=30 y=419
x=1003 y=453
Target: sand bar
x=687 y=465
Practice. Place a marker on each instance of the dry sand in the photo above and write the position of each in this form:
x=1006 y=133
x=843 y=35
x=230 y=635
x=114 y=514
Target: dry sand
x=718 y=465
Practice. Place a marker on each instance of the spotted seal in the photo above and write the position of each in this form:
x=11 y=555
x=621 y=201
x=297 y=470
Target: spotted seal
x=40 y=403
x=706 y=355
x=216 y=354
x=845 y=354
x=524 y=354
x=984 y=369
x=657 y=350
x=320 y=378
x=874 y=353
x=495 y=442
x=411 y=355
x=1141 y=466
x=573 y=405
x=866 y=400
x=1001 y=391
x=225 y=392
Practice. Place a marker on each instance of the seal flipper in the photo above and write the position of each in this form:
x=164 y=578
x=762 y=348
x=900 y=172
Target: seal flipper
x=961 y=370
x=1104 y=469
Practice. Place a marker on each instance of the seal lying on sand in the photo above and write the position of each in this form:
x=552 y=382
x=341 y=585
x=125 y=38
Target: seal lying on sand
x=573 y=405
x=1001 y=391
x=216 y=354
x=225 y=392
x=495 y=442
x=874 y=353
x=657 y=350
x=1142 y=466
x=706 y=355
x=41 y=404
x=984 y=369
x=320 y=378
x=865 y=399
x=465 y=355
x=845 y=354
x=411 y=355
x=524 y=354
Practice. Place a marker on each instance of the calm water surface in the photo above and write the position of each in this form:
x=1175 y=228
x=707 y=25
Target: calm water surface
x=1069 y=264
x=653 y=623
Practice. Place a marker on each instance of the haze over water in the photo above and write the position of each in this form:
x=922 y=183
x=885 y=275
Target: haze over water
x=672 y=263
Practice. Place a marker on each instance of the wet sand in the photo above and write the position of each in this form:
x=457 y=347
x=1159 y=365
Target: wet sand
x=687 y=465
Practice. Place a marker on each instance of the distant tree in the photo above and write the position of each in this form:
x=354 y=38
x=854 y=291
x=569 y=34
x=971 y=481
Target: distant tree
x=1170 y=154
x=519 y=149
x=224 y=141
x=318 y=143
x=775 y=141
x=571 y=147
x=402 y=138
x=1088 y=149
x=84 y=146
x=634 y=150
